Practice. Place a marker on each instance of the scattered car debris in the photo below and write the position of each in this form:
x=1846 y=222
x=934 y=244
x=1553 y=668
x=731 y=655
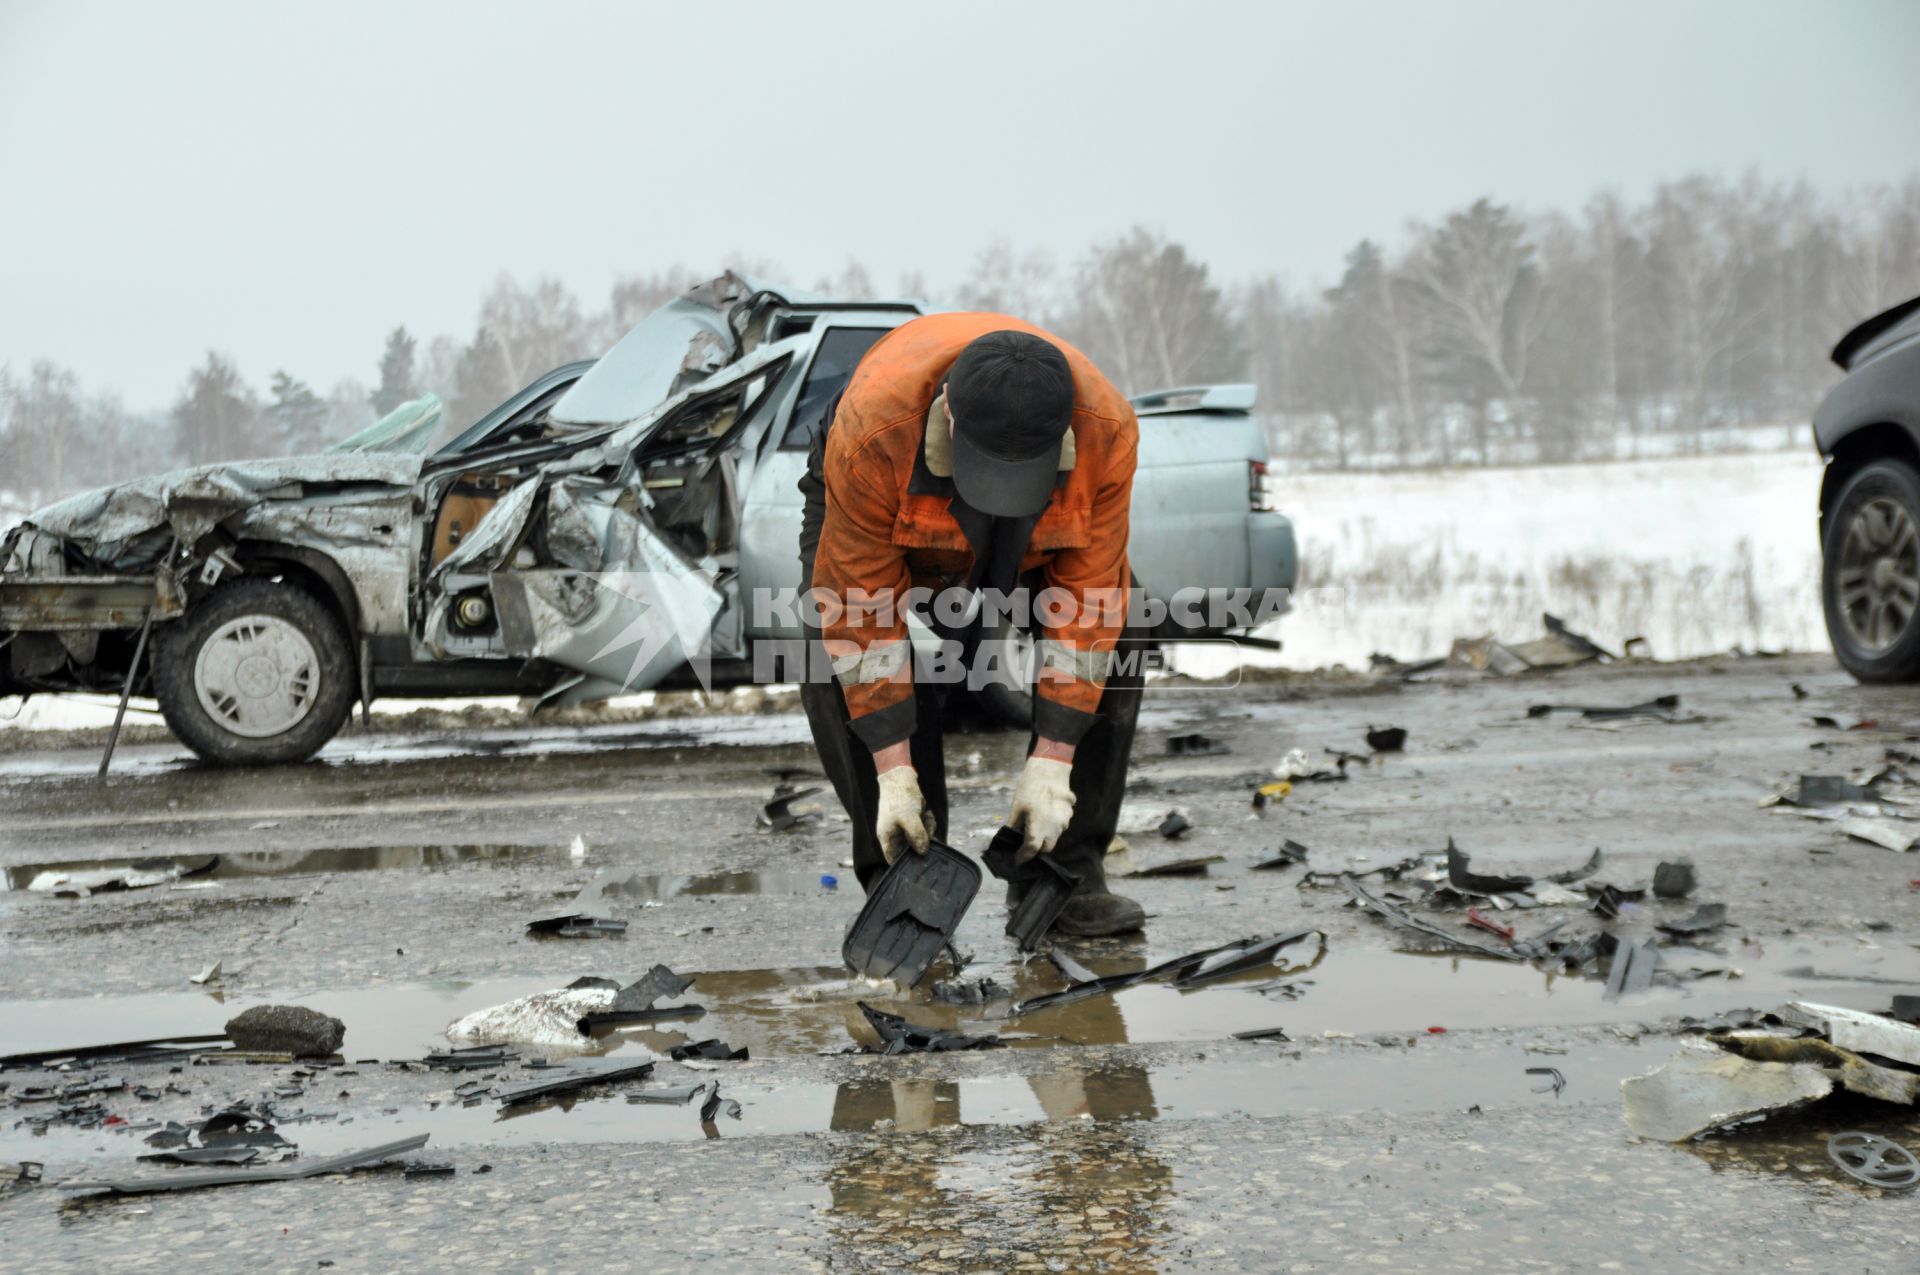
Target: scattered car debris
x=1874 y=1160
x=29 y=1174
x=678 y=1097
x=790 y=808
x=898 y=1036
x=634 y=1003
x=715 y=1106
x=1386 y=739
x=1290 y=854
x=1825 y=790
x=1706 y=1087
x=1263 y=1033
x=1861 y=1032
x=1195 y=744
x=1406 y=921
x=1673 y=880
x=577 y=925
x=209 y=974
x=1560 y=648
x=569 y=1079
x=160 y=1049
x=1461 y=876
x=1555 y=1081
x=472 y=1058
x=1662 y=708
x=1900 y=836
x=288 y=1172
x=1632 y=968
x=1190 y=970
x=543 y=1018
x=1297 y=767
x=1478 y=921
x=915 y=907
x=1175 y=825
x=1043 y=887
x=137 y=874
x=1708 y=916
x=1840 y=721
x=1266 y=794
x=1608 y=899
x=287 y=1029
x=968 y=991
x=1194 y=867
x=423 y=1169
x=709 y=1050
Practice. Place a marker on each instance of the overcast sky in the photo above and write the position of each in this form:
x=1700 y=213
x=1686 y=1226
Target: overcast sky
x=286 y=182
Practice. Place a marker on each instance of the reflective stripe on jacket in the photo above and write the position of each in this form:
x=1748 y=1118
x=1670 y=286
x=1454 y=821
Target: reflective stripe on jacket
x=887 y=529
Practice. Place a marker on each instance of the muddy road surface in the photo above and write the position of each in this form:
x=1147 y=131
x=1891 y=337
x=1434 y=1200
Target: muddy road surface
x=1391 y=1121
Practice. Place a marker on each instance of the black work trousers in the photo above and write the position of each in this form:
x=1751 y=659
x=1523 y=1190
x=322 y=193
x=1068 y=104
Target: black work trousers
x=1099 y=761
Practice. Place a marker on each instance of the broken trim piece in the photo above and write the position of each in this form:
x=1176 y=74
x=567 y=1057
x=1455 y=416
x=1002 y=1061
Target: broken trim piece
x=290 y=1172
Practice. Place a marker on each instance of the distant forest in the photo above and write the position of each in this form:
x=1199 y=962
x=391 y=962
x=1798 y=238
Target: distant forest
x=1492 y=335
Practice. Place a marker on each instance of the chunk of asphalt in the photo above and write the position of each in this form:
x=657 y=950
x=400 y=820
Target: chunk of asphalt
x=286 y=1029
x=1673 y=880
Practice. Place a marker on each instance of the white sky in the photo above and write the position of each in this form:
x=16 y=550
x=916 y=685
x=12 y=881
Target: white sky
x=286 y=182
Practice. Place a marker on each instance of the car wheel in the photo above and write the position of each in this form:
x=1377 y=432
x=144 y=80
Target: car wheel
x=1009 y=701
x=1871 y=575
x=258 y=673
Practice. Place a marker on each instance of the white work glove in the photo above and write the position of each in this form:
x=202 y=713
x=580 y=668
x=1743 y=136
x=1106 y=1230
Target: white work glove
x=1042 y=805
x=903 y=813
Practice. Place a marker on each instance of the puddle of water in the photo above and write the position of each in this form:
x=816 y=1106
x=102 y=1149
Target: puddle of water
x=809 y=1010
x=1363 y=1081
x=235 y=865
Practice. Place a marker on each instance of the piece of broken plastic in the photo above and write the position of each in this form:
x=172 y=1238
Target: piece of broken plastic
x=1290 y=853
x=1194 y=867
x=288 y=1172
x=915 y=907
x=576 y=925
x=1632 y=968
x=786 y=811
x=709 y=1050
x=1191 y=970
x=1195 y=744
x=1664 y=707
x=1042 y=884
x=572 y=1080
x=898 y=1036
x=1386 y=739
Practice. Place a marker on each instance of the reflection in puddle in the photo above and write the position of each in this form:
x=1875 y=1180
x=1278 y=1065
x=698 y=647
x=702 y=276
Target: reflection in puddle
x=236 y=865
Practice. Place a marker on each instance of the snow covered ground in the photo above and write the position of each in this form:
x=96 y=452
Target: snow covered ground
x=1697 y=555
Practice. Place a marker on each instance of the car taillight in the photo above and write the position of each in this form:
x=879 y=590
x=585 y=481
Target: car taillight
x=1257 y=485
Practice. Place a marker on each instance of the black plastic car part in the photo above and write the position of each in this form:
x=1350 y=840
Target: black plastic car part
x=1041 y=886
x=913 y=911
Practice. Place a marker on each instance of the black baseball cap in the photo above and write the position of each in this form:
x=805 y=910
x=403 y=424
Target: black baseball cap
x=1011 y=398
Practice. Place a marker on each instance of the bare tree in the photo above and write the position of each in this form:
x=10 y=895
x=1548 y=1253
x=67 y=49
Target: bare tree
x=1149 y=316
x=1003 y=281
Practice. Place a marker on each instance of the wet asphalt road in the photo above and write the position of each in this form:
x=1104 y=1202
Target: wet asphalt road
x=391 y=886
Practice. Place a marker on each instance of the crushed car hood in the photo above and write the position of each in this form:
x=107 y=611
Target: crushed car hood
x=193 y=500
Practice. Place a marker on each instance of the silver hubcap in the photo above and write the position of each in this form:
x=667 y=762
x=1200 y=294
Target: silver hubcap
x=1879 y=578
x=257 y=676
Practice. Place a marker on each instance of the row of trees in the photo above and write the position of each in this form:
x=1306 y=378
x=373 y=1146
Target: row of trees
x=1486 y=336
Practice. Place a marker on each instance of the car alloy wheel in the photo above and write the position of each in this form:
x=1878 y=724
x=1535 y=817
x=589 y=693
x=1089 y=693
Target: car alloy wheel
x=1879 y=573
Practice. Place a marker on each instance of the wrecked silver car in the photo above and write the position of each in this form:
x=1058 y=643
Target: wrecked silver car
x=614 y=526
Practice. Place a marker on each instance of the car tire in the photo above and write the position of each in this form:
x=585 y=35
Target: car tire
x=258 y=673
x=1008 y=704
x=1870 y=576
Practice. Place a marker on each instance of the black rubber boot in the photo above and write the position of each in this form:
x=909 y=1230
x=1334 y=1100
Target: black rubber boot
x=1093 y=914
